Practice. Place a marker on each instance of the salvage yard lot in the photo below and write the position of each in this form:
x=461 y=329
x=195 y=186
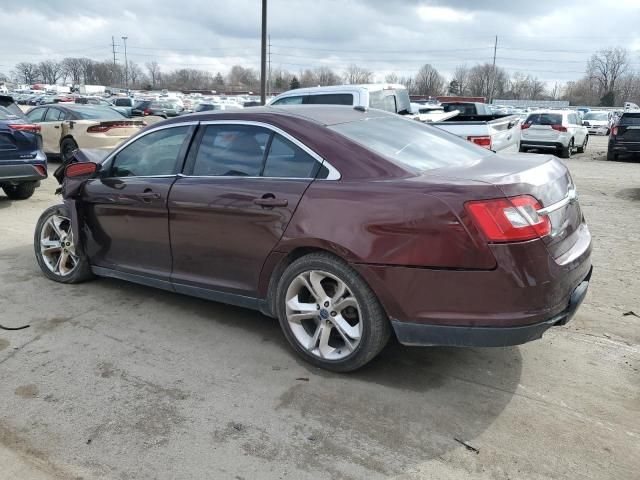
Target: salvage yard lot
x=114 y=380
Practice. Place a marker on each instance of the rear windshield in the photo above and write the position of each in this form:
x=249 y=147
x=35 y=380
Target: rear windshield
x=411 y=144
x=13 y=108
x=98 y=113
x=6 y=114
x=544 y=119
x=596 y=116
x=463 y=108
x=122 y=102
x=630 y=119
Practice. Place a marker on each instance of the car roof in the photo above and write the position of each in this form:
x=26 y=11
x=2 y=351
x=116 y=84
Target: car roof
x=371 y=87
x=322 y=114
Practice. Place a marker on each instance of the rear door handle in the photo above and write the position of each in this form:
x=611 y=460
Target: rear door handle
x=270 y=202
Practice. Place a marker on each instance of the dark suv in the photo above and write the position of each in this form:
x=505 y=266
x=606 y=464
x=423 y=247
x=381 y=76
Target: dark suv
x=625 y=136
x=22 y=162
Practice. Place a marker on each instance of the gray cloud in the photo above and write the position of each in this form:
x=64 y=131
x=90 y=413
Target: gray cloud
x=549 y=39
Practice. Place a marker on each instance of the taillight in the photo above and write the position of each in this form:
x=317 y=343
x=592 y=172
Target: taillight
x=559 y=128
x=41 y=170
x=614 y=131
x=484 y=141
x=25 y=127
x=98 y=128
x=146 y=111
x=524 y=126
x=509 y=219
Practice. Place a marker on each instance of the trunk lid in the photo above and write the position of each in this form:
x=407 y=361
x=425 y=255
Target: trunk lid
x=544 y=177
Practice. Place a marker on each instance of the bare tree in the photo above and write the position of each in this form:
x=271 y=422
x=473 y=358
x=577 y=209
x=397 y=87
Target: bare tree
x=391 y=78
x=87 y=68
x=136 y=74
x=154 y=72
x=72 y=68
x=461 y=76
x=606 y=67
x=326 y=76
x=27 y=72
x=482 y=80
x=355 y=74
x=428 y=81
x=50 y=71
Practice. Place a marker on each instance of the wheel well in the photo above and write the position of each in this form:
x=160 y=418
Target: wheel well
x=277 y=272
x=68 y=136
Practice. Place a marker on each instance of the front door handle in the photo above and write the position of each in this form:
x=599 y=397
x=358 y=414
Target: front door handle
x=148 y=196
x=270 y=202
x=56 y=126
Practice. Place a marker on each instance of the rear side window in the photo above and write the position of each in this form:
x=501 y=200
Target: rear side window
x=231 y=150
x=544 y=119
x=297 y=100
x=122 y=102
x=629 y=119
x=153 y=154
x=330 y=99
x=36 y=114
x=285 y=159
x=411 y=144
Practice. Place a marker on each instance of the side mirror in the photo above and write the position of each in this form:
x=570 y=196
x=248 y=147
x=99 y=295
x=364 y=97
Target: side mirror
x=79 y=170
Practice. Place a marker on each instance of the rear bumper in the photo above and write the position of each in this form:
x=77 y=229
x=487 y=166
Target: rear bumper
x=538 y=144
x=624 y=147
x=22 y=171
x=417 y=334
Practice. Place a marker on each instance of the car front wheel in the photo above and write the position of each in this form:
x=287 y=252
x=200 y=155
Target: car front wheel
x=55 y=247
x=329 y=314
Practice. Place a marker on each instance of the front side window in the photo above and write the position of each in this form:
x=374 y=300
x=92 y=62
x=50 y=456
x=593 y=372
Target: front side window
x=231 y=150
x=289 y=101
x=156 y=153
x=285 y=159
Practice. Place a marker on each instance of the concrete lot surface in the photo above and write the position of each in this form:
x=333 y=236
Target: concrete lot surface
x=118 y=381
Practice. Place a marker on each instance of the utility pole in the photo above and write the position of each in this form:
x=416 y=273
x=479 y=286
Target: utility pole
x=126 y=64
x=263 y=59
x=269 y=69
x=113 y=47
x=493 y=71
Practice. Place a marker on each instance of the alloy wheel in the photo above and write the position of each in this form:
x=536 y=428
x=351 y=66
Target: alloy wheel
x=323 y=314
x=57 y=247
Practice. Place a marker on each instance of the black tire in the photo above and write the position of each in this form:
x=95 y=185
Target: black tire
x=566 y=152
x=22 y=191
x=82 y=270
x=612 y=157
x=67 y=146
x=376 y=328
x=522 y=150
x=583 y=147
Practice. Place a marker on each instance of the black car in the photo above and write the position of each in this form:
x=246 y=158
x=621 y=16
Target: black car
x=625 y=136
x=22 y=162
x=159 y=108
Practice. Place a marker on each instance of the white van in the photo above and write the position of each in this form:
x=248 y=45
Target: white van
x=384 y=96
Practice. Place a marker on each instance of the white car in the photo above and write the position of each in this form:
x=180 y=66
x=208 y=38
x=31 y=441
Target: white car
x=559 y=130
x=384 y=96
x=597 y=122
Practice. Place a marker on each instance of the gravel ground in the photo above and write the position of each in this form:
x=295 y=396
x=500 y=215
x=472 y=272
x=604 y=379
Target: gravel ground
x=114 y=380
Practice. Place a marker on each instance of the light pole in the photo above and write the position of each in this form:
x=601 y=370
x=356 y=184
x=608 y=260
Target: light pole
x=126 y=64
x=263 y=60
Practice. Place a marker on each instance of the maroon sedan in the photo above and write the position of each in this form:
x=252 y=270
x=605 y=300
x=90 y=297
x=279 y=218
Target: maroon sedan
x=347 y=225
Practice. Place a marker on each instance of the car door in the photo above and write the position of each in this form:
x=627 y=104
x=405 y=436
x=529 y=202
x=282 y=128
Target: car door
x=51 y=130
x=125 y=208
x=241 y=187
x=579 y=131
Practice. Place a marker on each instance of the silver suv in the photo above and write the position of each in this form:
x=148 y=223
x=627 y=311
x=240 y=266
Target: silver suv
x=559 y=130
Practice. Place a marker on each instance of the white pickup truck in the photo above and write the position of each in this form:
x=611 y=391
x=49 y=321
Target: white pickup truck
x=477 y=123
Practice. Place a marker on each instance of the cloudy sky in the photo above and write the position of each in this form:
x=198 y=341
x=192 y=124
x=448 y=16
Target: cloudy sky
x=546 y=38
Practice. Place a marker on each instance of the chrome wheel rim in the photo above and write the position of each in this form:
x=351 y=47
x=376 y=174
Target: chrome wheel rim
x=57 y=248
x=323 y=315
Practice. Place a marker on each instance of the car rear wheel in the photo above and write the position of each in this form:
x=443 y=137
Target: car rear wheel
x=566 y=152
x=67 y=146
x=22 y=191
x=55 y=247
x=522 y=149
x=329 y=315
x=583 y=147
x=612 y=157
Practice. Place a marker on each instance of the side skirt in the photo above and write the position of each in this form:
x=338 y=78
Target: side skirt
x=213 y=295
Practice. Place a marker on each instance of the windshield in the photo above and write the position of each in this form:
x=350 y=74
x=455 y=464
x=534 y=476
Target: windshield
x=597 y=116
x=411 y=144
x=98 y=113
